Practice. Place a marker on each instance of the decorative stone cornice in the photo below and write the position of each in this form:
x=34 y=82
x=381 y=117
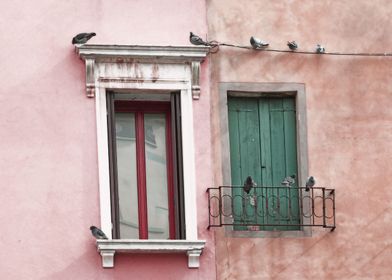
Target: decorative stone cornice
x=108 y=248
x=164 y=53
x=153 y=55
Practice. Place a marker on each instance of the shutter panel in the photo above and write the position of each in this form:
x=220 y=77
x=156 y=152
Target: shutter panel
x=290 y=134
x=283 y=155
x=245 y=156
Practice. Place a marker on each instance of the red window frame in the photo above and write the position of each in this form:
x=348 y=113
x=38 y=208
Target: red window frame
x=139 y=108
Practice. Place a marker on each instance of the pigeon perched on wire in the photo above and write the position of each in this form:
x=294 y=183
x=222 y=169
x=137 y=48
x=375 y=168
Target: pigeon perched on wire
x=289 y=181
x=249 y=184
x=196 y=40
x=310 y=182
x=98 y=233
x=257 y=43
x=292 y=45
x=320 y=49
x=82 y=38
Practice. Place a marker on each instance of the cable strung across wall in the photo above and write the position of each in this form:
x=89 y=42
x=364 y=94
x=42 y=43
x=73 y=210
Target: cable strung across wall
x=260 y=45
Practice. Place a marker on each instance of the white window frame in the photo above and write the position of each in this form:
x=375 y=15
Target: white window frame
x=145 y=68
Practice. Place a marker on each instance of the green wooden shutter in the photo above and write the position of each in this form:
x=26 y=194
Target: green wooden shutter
x=245 y=156
x=263 y=145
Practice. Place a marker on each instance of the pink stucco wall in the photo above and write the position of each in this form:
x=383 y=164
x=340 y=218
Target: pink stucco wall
x=48 y=158
x=349 y=102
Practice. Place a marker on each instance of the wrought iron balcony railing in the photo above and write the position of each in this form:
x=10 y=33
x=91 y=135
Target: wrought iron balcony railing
x=271 y=208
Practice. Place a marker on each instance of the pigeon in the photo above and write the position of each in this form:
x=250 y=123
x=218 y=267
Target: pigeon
x=196 y=40
x=249 y=184
x=292 y=45
x=320 y=49
x=289 y=181
x=257 y=43
x=310 y=183
x=97 y=233
x=82 y=38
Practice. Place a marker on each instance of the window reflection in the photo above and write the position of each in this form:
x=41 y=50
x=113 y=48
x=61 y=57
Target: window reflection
x=156 y=176
x=126 y=175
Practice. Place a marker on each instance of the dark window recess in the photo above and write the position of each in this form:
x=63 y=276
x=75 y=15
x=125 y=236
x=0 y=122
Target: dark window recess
x=145 y=157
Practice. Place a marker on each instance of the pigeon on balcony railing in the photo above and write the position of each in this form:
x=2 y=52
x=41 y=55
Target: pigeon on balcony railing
x=98 y=233
x=310 y=183
x=289 y=181
x=249 y=184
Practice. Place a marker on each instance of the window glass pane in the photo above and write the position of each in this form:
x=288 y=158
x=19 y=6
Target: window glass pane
x=156 y=176
x=126 y=174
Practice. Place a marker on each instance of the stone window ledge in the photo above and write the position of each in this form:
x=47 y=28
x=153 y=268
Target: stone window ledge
x=107 y=249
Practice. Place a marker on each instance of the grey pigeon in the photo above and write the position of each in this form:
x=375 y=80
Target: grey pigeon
x=288 y=181
x=320 y=49
x=97 y=233
x=196 y=40
x=292 y=45
x=82 y=38
x=310 y=183
x=257 y=43
x=249 y=184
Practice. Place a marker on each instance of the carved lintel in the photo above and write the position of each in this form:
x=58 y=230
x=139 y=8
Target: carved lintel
x=107 y=258
x=90 y=78
x=195 y=68
x=116 y=56
x=193 y=258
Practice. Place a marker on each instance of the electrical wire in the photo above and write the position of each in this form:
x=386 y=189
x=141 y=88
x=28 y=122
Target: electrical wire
x=215 y=46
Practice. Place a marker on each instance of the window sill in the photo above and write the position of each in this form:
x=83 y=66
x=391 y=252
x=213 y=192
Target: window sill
x=107 y=249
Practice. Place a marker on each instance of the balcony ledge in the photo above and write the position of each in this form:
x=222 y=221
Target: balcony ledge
x=107 y=249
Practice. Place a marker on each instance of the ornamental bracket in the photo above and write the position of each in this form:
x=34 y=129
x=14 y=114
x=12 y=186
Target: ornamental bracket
x=195 y=68
x=90 y=79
